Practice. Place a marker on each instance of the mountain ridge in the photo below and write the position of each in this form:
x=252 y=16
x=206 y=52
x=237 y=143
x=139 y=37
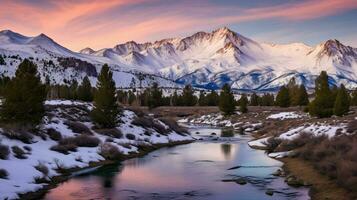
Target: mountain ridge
x=210 y=59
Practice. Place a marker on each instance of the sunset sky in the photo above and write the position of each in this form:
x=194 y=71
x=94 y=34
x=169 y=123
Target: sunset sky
x=103 y=23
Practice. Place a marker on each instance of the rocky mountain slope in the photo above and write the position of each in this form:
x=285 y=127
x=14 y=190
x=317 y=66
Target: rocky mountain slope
x=206 y=60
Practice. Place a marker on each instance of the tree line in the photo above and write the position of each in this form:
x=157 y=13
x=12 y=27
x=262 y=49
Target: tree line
x=24 y=96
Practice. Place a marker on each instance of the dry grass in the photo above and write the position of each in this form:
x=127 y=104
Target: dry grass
x=18 y=152
x=148 y=122
x=110 y=152
x=113 y=132
x=54 y=134
x=78 y=127
x=172 y=124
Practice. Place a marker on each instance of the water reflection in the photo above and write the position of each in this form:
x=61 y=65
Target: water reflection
x=191 y=171
x=226 y=150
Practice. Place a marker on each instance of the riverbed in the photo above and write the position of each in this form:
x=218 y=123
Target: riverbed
x=213 y=167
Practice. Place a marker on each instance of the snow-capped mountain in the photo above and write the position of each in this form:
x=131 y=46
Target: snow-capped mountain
x=62 y=65
x=209 y=60
x=206 y=60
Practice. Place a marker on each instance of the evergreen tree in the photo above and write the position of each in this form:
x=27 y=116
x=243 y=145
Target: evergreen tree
x=212 y=98
x=243 y=104
x=73 y=90
x=24 y=96
x=106 y=109
x=342 y=103
x=293 y=92
x=283 y=97
x=131 y=97
x=226 y=100
x=154 y=96
x=322 y=105
x=84 y=92
x=188 y=97
x=202 y=101
x=302 y=96
x=254 y=99
x=174 y=99
x=267 y=100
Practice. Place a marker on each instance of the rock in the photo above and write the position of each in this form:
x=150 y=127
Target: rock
x=269 y=192
x=213 y=133
x=279 y=172
x=197 y=132
x=293 y=181
x=241 y=181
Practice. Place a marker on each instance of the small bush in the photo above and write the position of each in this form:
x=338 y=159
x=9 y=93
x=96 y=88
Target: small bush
x=64 y=148
x=81 y=141
x=113 y=132
x=272 y=143
x=4 y=151
x=28 y=148
x=3 y=174
x=227 y=132
x=23 y=136
x=130 y=136
x=42 y=168
x=78 y=127
x=110 y=152
x=174 y=125
x=147 y=122
x=54 y=134
x=19 y=153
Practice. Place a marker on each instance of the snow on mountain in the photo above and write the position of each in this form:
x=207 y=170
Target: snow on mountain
x=206 y=60
x=62 y=65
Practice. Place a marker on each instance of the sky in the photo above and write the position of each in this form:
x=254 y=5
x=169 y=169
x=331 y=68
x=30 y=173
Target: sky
x=77 y=24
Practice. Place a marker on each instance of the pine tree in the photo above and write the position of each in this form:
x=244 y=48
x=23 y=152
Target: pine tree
x=293 y=92
x=254 y=99
x=106 y=109
x=174 y=99
x=283 y=97
x=84 y=92
x=212 y=98
x=154 y=96
x=131 y=97
x=342 y=103
x=24 y=96
x=302 y=96
x=267 y=100
x=322 y=105
x=73 y=90
x=243 y=104
x=226 y=100
x=188 y=97
x=202 y=100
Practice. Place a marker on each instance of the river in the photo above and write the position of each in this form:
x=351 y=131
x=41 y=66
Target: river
x=199 y=170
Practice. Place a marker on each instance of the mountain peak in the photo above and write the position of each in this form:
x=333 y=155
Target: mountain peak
x=87 y=50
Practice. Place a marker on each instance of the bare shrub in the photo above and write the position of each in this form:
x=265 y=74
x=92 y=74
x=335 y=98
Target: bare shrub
x=54 y=134
x=42 y=168
x=64 y=148
x=113 y=132
x=110 y=152
x=148 y=122
x=21 y=135
x=173 y=125
x=18 y=152
x=3 y=174
x=28 y=148
x=272 y=143
x=78 y=127
x=81 y=141
x=4 y=151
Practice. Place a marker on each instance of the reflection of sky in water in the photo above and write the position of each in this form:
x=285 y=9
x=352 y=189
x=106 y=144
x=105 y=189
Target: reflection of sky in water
x=171 y=172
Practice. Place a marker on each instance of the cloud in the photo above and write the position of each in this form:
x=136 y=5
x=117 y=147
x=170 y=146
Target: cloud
x=79 y=23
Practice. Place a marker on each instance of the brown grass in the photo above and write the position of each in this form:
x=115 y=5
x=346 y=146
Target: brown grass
x=4 y=151
x=18 y=152
x=110 y=152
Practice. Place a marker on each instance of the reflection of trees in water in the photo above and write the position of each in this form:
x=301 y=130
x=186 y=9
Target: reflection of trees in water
x=107 y=174
x=226 y=150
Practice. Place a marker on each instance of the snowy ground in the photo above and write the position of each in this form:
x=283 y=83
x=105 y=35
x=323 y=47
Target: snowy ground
x=286 y=115
x=22 y=172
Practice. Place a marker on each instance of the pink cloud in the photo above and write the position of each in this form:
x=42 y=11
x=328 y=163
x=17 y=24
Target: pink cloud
x=77 y=24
